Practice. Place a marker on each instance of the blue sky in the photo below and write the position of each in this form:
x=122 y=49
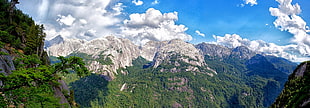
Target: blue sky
x=220 y=17
x=276 y=27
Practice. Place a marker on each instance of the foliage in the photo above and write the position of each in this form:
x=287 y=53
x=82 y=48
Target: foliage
x=72 y=63
x=296 y=91
x=88 y=90
x=102 y=58
x=32 y=83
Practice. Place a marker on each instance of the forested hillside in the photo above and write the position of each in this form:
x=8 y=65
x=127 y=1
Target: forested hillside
x=253 y=82
x=26 y=77
x=297 y=89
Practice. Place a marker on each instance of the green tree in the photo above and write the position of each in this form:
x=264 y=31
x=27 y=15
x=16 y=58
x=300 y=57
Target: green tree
x=34 y=85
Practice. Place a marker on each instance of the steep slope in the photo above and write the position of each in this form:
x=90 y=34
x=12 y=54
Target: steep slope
x=260 y=66
x=282 y=64
x=297 y=89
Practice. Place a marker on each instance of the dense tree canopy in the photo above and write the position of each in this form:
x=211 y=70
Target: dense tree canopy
x=33 y=81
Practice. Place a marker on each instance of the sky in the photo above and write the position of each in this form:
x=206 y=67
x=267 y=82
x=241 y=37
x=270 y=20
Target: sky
x=275 y=27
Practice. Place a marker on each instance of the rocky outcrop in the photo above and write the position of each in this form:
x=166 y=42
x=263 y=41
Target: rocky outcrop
x=62 y=92
x=149 y=50
x=188 y=53
x=6 y=62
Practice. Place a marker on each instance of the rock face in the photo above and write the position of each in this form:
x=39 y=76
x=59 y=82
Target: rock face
x=149 y=50
x=188 y=53
x=242 y=52
x=219 y=51
x=214 y=50
x=6 y=63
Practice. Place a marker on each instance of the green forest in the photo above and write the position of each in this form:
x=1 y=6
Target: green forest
x=30 y=81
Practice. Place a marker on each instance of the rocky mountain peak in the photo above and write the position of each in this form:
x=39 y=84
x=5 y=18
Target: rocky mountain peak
x=214 y=50
x=242 y=52
x=188 y=52
x=57 y=40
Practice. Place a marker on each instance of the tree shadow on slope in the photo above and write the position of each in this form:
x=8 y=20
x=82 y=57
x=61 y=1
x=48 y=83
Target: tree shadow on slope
x=89 y=89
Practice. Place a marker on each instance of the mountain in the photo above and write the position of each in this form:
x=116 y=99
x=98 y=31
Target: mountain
x=107 y=55
x=296 y=91
x=173 y=73
x=57 y=40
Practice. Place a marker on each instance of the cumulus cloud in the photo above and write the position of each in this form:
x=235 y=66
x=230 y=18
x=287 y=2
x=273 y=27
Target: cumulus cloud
x=137 y=2
x=155 y=2
x=291 y=52
x=249 y=2
x=82 y=19
x=153 y=25
x=43 y=8
x=66 y=20
x=288 y=20
x=199 y=33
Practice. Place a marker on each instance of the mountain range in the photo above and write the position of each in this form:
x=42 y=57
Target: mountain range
x=213 y=74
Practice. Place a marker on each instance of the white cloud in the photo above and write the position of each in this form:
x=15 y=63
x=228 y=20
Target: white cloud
x=153 y=25
x=43 y=8
x=250 y=2
x=288 y=20
x=66 y=20
x=82 y=19
x=155 y=2
x=291 y=52
x=199 y=33
x=137 y=2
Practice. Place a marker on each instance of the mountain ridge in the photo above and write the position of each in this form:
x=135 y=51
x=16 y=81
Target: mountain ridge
x=123 y=51
x=176 y=66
